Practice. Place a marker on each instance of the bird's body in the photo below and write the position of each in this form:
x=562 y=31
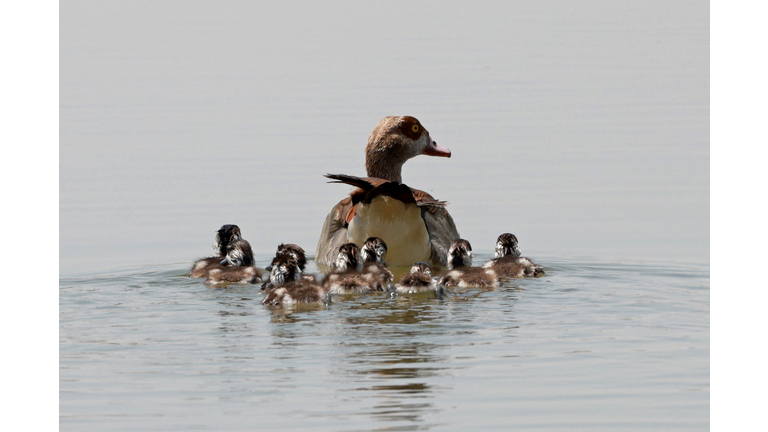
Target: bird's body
x=224 y=236
x=461 y=273
x=415 y=226
x=346 y=277
x=419 y=280
x=508 y=263
x=287 y=287
x=236 y=267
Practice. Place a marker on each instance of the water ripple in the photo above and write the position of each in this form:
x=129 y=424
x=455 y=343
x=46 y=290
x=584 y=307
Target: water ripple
x=152 y=343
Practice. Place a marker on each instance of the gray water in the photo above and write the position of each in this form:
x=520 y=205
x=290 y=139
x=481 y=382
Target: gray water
x=590 y=346
x=583 y=128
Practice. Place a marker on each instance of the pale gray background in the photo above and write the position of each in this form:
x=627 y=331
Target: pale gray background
x=581 y=127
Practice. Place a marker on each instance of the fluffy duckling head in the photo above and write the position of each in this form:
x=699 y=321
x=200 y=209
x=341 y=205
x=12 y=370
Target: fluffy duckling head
x=295 y=252
x=459 y=254
x=374 y=250
x=347 y=259
x=225 y=235
x=284 y=269
x=419 y=280
x=506 y=245
x=422 y=267
x=239 y=253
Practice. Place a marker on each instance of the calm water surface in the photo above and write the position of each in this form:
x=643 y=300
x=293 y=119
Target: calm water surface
x=593 y=345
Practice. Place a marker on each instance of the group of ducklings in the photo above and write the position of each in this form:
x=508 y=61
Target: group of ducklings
x=356 y=270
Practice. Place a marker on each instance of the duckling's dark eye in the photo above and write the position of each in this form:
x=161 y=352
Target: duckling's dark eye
x=415 y=128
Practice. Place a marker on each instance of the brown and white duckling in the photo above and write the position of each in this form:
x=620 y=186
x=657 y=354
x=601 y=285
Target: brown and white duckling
x=374 y=250
x=288 y=286
x=346 y=277
x=419 y=280
x=294 y=251
x=373 y=255
x=347 y=259
x=236 y=267
x=415 y=225
x=282 y=270
x=297 y=253
x=461 y=273
x=507 y=245
x=225 y=234
x=283 y=274
x=508 y=262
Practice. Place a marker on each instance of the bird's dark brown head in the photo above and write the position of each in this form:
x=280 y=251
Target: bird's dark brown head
x=294 y=251
x=507 y=245
x=284 y=269
x=347 y=258
x=422 y=268
x=239 y=253
x=459 y=254
x=374 y=250
x=226 y=234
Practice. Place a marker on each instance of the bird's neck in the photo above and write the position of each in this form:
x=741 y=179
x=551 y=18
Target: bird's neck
x=384 y=164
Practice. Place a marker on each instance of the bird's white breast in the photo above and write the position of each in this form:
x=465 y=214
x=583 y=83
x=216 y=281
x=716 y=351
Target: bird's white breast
x=400 y=226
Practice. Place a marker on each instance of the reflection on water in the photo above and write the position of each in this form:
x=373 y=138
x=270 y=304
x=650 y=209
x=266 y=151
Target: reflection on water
x=382 y=354
x=395 y=378
x=394 y=361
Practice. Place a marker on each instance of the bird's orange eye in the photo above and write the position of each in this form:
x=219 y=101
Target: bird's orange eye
x=415 y=128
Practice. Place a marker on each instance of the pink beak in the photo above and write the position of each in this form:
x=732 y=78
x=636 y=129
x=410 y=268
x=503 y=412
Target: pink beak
x=433 y=149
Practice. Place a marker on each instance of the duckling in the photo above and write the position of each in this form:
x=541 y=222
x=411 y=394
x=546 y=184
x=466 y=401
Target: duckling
x=419 y=280
x=297 y=253
x=288 y=286
x=374 y=250
x=236 y=267
x=347 y=259
x=506 y=245
x=282 y=270
x=278 y=272
x=225 y=235
x=373 y=255
x=346 y=277
x=508 y=262
x=462 y=273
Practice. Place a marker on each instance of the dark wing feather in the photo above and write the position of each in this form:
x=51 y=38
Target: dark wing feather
x=424 y=199
x=364 y=183
x=371 y=187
